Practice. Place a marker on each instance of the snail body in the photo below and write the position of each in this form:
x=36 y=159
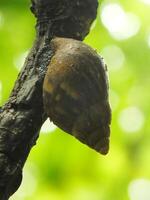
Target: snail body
x=75 y=93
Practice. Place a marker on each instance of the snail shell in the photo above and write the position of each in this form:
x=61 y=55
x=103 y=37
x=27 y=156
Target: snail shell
x=75 y=93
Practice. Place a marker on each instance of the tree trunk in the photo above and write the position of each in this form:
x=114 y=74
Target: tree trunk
x=23 y=115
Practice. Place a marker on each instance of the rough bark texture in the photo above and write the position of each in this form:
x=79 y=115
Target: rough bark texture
x=23 y=115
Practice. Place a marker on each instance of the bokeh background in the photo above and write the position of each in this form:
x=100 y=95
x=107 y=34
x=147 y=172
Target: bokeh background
x=60 y=167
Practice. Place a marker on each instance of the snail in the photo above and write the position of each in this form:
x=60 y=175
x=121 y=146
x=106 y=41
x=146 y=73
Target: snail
x=75 y=93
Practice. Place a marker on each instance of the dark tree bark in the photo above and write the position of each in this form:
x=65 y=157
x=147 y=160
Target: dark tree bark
x=23 y=115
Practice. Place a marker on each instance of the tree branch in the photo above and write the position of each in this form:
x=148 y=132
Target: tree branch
x=23 y=115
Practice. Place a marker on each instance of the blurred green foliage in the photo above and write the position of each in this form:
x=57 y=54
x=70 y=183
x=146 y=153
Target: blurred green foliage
x=60 y=167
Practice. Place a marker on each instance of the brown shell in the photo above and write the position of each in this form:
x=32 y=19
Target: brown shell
x=75 y=93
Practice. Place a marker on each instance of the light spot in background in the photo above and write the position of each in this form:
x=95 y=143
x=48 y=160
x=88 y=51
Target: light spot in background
x=145 y=1
x=114 y=57
x=48 y=127
x=28 y=185
x=148 y=40
x=19 y=61
x=131 y=119
x=121 y=25
x=114 y=99
x=1 y=20
x=134 y=93
x=0 y=91
x=139 y=189
x=84 y=194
